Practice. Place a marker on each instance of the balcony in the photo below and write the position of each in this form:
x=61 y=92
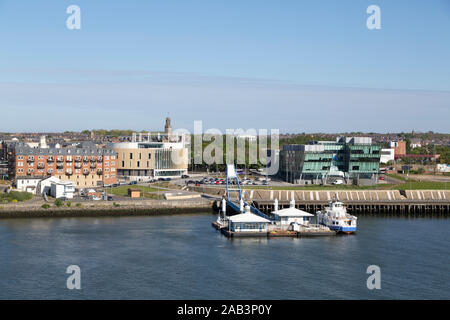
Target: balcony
x=59 y=166
x=78 y=165
x=86 y=172
x=99 y=159
x=93 y=165
x=69 y=172
x=50 y=159
x=60 y=159
x=99 y=172
x=77 y=159
x=30 y=159
x=40 y=166
x=69 y=159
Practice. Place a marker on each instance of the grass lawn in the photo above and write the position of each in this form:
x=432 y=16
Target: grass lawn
x=123 y=190
x=154 y=196
x=319 y=187
x=396 y=176
x=15 y=196
x=412 y=185
x=162 y=184
x=422 y=185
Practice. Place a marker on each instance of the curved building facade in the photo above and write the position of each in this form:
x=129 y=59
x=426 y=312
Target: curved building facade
x=142 y=161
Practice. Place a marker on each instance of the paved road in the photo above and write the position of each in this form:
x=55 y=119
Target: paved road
x=390 y=180
x=424 y=177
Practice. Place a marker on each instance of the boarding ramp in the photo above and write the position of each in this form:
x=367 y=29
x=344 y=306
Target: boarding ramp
x=234 y=189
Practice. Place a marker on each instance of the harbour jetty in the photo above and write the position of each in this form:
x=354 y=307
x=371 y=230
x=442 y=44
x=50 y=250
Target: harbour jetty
x=248 y=221
x=356 y=201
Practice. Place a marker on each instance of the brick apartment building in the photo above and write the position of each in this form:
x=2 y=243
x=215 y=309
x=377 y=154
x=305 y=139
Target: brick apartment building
x=84 y=166
x=399 y=147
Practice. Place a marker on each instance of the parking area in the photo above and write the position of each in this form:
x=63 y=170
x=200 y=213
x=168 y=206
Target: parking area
x=217 y=181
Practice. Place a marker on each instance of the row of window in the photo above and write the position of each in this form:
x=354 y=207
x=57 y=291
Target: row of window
x=21 y=164
x=31 y=170
x=140 y=156
x=68 y=158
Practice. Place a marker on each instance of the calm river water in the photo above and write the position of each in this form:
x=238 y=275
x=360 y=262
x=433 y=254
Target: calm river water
x=183 y=257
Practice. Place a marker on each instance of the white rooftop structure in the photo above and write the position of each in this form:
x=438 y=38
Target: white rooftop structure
x=292 y=212
x=247 y=217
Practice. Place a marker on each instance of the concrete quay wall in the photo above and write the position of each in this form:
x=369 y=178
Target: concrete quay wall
x=106 y=208
x=342 y=195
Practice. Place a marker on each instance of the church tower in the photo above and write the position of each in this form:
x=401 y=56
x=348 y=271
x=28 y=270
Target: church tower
x=168 y=128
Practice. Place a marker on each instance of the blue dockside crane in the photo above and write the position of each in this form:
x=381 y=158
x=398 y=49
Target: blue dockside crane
x=234 y=186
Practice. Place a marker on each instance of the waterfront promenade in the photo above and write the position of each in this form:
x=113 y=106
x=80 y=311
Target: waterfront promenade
x=357 y=201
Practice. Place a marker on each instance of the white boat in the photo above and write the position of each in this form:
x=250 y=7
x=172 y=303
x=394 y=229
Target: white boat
x=336 y=218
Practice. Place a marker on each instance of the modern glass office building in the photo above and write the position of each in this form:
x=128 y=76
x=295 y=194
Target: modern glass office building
x=346 y=158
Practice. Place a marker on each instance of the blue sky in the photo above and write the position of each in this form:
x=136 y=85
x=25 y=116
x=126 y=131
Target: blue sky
x=299 y=66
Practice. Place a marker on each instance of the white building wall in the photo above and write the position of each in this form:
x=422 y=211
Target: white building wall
x=385 y=158
x=59 y=190
x=29 y=185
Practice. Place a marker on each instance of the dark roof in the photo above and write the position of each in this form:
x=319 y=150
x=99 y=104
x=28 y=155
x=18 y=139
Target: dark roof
x=24 y=149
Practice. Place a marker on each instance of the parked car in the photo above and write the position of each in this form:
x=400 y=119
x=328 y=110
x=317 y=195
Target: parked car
x=184 y=176
x=133 y=182
x=110 y=198
x=381 y=178
x=335 y=182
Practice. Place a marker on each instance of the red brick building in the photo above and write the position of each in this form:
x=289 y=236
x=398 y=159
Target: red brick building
x=84 y=166
x=399 y=148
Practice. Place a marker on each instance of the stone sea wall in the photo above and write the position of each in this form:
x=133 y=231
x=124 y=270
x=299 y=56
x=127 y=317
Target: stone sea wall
x=106 y=208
